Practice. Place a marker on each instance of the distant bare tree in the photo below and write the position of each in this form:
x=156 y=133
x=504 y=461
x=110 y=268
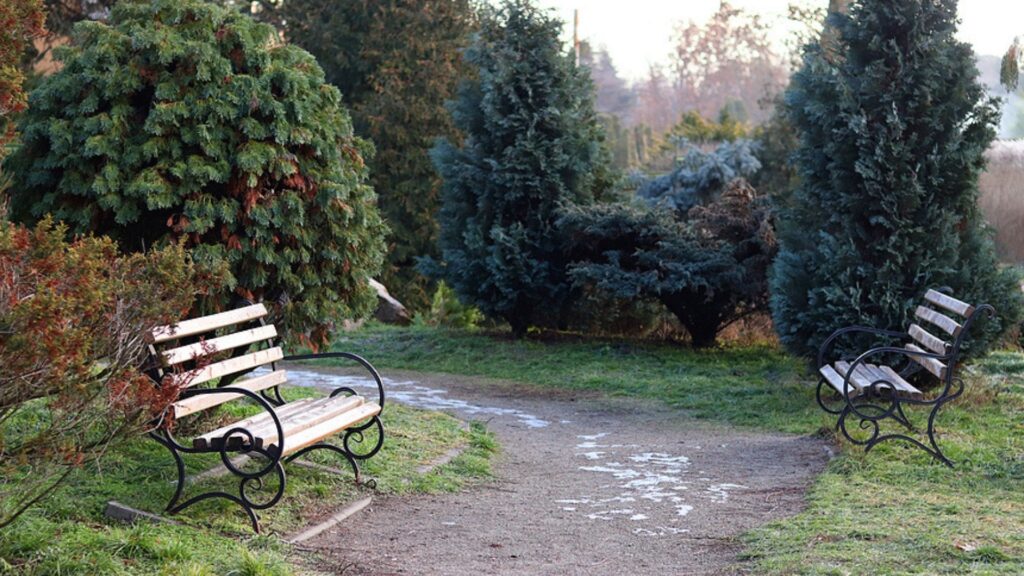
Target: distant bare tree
x=613 y=93
x=726 y=60
x=657 y=105
x=1009 y=72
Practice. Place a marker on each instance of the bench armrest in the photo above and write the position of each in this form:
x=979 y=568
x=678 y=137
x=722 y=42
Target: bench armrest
x=827 y=345
x=349 y=356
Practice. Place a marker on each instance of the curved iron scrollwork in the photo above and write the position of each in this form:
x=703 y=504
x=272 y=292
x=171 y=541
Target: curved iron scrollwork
x=248 y=479
x=353 y=438
x=349 y=356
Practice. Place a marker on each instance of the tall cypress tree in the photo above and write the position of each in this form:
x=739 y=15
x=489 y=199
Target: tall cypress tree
x=533 y=144
x=893 y=125
x=396 y=64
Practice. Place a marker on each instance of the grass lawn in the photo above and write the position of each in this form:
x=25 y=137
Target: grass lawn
x=68 y=534
x=893 y=511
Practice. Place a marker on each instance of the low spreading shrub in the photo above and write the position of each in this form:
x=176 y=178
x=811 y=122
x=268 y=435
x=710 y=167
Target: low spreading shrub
x=448 y=312
x=709 y=268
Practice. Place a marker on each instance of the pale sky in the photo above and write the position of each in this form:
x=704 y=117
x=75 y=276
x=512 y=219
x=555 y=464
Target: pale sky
x=637 y=33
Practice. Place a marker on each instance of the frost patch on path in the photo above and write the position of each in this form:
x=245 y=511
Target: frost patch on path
x=652 y=483
x=720 y=492
x=410 y=393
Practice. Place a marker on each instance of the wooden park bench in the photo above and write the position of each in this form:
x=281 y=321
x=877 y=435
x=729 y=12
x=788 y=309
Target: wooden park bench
x=871 y=391
x=207 y=357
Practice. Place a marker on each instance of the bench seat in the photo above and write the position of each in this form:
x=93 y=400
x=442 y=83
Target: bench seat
x=864 y=376
x=303 y=421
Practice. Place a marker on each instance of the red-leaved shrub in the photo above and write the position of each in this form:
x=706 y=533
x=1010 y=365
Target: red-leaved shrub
x=73 y=316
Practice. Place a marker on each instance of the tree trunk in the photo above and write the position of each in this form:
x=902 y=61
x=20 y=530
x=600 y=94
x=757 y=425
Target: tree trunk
x=518 y=321
x=829 y=36
x=702 y=321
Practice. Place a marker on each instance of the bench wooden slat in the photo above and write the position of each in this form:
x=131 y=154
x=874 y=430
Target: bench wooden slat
x=214 y=438
x=229 y=366
x=866 y=375
x=836 y=381
x=285 y=414
x=208 y=347
x=924 y=338
x=312 y=435
x=930 y=364
x=876 y=374
x=202 y=402
x=861 y=377
x=902 y=385
x=947 y=324
x=295 y=417
x=949 y=303
x=895 y=381
x=207 y=323
x=312 y=415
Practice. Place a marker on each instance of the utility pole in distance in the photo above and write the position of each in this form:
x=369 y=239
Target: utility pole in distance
x=576 y=34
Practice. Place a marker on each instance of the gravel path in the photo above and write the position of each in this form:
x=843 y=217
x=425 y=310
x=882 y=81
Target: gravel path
x=584 y=485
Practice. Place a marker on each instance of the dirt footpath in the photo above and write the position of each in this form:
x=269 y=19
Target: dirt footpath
x=584 y=485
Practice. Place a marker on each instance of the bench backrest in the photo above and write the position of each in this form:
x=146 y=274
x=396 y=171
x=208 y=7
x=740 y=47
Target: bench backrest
x=935 y=312
x=223 y=346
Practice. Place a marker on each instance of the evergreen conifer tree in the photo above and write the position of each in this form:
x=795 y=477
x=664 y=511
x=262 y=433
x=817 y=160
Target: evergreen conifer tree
x=532 y=145
x=183 y=120
x=21 y=21
x=396 y=64
x=892 y=126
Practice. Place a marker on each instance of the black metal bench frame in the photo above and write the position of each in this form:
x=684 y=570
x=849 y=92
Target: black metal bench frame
x=880 y=400
x=273 y=467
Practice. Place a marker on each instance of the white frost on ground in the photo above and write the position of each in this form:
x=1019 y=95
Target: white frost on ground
x=720 y=492
x=659 y=531
x=410 y=393
x=652 y=482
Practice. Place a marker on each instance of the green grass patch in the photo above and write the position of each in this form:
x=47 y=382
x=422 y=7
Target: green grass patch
x=745 y=386
x=893 y=511
x=68 y=534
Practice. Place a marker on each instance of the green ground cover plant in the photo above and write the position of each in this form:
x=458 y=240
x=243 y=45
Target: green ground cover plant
x=892 y=511
x=68 y=533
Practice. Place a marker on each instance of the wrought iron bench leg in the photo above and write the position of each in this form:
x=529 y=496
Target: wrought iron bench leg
x=897 y=414
x=939 y=403
x=179 y=462
x=331 y=448
x=901 y=416
x=247 y=480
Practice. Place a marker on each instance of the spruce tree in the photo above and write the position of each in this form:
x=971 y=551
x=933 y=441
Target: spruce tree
x=532 y=145
x=708 y=265
x=183 y=120
x=892 y=126
x=396 y=64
